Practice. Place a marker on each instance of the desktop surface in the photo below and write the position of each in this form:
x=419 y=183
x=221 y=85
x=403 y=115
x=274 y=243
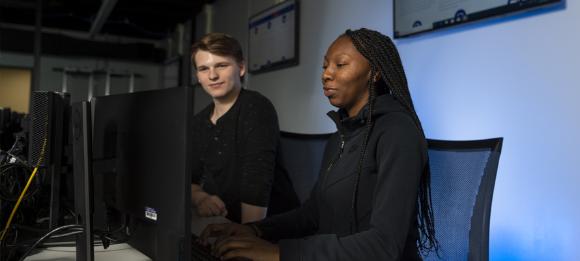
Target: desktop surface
x=118 y=252
x=125 y=252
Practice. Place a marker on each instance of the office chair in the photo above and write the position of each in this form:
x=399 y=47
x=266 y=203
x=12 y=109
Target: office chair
x=302 y=156
x=462 y=180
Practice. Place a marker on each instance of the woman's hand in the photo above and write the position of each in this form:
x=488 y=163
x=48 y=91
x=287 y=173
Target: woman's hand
x=246 y=247
x=222 y=231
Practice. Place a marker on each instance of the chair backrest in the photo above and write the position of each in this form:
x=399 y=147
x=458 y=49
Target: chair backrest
x=462 y=181
x=302 y=156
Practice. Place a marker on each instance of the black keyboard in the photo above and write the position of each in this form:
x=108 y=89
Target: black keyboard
x=200 y=252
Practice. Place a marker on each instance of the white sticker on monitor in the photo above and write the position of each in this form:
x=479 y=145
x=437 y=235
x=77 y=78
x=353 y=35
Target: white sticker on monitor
x=150 y=213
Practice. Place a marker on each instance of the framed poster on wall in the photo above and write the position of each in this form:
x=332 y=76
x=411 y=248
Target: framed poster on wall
x=419 y=16
x=273 y=38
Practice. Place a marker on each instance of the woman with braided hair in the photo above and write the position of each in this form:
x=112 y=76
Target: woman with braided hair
x=372 y=199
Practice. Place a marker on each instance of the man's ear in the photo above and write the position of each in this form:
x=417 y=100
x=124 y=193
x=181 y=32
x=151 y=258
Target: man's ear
x=242 y=66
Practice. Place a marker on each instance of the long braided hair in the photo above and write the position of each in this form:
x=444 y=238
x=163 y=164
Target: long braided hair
x=385 y=62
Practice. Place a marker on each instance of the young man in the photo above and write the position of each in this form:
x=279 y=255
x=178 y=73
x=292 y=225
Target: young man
x=235 y=140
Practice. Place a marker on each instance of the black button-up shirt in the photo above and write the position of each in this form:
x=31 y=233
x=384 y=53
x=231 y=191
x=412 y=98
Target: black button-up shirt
x=235 y=159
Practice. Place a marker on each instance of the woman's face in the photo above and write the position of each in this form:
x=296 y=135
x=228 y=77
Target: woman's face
x=345 y=76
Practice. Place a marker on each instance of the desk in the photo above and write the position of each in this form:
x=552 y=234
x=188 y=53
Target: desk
x=119 y=252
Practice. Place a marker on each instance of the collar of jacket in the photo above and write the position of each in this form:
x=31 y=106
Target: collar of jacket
x=345 y=124
x=384 y=104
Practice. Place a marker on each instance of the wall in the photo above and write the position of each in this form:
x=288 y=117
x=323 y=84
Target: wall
x=516 y=78
x=15 y=89
x=297 y=91
x=51 y=80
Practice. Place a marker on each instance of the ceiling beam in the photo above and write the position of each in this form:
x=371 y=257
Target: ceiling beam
x=81 y=35
x=18 y=4
x=104 y=12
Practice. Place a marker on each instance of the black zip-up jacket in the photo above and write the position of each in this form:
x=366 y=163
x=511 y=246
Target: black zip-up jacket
x=323 y=228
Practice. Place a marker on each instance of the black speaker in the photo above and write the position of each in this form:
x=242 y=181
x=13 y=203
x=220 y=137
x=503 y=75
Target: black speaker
x=49 y=129
x=46 y=123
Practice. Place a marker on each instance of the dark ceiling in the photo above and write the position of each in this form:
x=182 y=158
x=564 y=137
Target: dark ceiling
x=150 y=19
x=83 y=27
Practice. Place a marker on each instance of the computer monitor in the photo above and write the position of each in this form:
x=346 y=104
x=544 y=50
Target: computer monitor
x=83 y=178
x=141 y=168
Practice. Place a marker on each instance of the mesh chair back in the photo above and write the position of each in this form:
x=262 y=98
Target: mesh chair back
x=302 y=156
x=462 y=180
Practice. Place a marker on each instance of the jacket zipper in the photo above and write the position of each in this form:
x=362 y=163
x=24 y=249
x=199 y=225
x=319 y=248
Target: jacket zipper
x=338 y=156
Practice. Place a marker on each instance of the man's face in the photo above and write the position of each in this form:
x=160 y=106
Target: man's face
x=218 y=75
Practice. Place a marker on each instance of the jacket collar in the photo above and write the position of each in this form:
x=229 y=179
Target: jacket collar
x=384 y=104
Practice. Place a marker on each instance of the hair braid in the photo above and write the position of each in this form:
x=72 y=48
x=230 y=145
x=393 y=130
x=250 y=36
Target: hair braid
x=384 y=59
x=369 y=126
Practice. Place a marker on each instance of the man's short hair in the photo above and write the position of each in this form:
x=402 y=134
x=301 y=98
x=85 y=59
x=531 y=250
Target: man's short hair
x=219 y=44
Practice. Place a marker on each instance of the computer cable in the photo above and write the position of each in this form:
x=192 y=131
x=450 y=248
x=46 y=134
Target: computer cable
x=18 y=147
x=12 y=244
x=15 y=208
x=111 y=237
x=47 y=236
x=12 y=178
x=3 y=156
x=67 y=234
x=27 y=244
x=42 y=151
